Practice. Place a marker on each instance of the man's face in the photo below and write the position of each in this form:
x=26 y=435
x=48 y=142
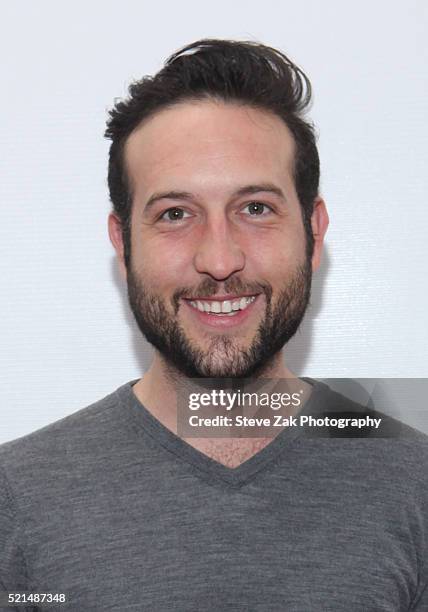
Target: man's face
x=218 y=280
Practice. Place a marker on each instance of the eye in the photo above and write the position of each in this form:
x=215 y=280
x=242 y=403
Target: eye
x=174 y=214
x=257 y=209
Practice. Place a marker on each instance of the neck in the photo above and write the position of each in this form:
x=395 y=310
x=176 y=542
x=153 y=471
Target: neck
x=157 y=390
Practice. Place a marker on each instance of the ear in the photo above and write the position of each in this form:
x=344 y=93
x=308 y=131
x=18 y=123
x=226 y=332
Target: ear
x=116 y=238
x=319 y=222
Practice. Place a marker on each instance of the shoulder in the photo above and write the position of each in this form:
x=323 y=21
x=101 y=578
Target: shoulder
x=40 y=473
x=335 y=405
x=388 y=426
x=74 y=438
x=370 y=438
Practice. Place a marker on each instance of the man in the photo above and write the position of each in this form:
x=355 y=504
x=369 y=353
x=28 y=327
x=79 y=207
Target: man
x=218 y=225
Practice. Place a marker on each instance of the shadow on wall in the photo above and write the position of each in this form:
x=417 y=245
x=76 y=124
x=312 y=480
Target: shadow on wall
x=142 y=350
x=298 y=349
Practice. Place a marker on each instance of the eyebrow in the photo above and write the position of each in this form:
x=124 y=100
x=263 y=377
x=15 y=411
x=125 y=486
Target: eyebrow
x=189 y=197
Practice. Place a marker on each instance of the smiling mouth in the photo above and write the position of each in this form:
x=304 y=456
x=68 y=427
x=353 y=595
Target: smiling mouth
x=229 y=307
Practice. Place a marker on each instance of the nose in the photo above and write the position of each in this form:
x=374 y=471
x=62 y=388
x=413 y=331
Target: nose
x=218 y=253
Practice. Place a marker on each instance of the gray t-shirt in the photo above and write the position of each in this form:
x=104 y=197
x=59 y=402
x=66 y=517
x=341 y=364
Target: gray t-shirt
x=112 y=509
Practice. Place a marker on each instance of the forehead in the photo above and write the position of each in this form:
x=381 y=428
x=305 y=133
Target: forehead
x=209 y=143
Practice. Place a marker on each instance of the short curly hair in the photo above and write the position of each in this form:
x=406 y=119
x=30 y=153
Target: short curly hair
x=243 y=72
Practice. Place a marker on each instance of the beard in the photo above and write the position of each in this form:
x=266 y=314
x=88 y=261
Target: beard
x=223 y=357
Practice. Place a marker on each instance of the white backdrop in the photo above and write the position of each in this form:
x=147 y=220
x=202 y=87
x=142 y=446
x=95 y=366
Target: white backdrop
x=66 y=336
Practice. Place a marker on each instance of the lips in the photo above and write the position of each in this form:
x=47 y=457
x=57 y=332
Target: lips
x=219 y=306
x=220 y=297
x=222 y=312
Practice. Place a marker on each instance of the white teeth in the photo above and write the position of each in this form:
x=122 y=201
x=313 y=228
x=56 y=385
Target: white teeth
x=216 y=307
x=225 y=307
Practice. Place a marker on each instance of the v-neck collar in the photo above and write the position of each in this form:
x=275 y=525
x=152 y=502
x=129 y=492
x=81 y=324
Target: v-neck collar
x=204 y=464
